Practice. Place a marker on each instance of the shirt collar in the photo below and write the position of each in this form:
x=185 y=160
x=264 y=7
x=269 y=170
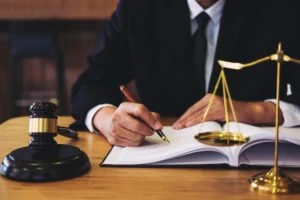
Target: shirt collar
x=214 y=12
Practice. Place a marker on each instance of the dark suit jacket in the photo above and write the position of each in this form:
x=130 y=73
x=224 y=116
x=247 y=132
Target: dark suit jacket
x=150 y=41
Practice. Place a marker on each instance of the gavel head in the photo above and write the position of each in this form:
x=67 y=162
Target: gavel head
x=43 y=124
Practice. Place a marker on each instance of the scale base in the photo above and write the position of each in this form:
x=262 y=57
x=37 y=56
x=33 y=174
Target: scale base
x=221 y=138
x=41 y=165
x=269 y=182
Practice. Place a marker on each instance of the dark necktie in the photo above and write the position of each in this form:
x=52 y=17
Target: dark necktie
x=200 y=48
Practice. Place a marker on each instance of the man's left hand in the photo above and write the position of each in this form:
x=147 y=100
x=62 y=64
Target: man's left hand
x=247 y=112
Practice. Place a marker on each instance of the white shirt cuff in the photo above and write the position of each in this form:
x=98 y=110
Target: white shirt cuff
x=90 y=115
x=291 y=113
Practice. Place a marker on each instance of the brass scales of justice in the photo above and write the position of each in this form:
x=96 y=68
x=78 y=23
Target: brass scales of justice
x=274 y=181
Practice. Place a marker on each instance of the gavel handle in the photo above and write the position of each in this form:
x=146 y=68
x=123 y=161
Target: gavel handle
x=67 y=132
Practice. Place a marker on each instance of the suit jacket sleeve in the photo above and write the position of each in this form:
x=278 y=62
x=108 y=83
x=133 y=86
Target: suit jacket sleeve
x=108 y=67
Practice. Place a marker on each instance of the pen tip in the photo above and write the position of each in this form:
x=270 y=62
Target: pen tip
x=166 y=140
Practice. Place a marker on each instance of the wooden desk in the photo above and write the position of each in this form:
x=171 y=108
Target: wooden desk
x=56 y=9
x=124 y=183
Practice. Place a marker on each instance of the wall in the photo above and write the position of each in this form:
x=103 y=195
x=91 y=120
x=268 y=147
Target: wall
x=77 y=38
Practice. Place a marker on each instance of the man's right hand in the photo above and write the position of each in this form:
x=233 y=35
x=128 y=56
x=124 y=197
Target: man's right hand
x=126 y=125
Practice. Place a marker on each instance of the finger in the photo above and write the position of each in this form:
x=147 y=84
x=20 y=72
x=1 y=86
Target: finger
x=134 y=125
x=179 y=123
x=194 y=119
x=217 y=111
x=117 y=131
x=129 y=135
x=120 y=127
x=140 y=111
x=195 y=109
x=215 y=114
x=156 y=115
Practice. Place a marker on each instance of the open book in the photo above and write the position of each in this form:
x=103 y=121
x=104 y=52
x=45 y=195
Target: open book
x=185 y=150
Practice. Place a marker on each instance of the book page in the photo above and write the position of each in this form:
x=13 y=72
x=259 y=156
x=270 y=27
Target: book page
x=260 y=148
x=182 y=143
x=262 y=154
x=196 y=158
x=254 y=133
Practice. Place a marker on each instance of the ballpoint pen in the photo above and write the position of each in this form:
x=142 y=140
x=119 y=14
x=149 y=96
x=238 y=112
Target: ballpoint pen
x=131 y=98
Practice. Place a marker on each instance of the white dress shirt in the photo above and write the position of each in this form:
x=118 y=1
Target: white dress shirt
x=212 y=31
x=291 y=112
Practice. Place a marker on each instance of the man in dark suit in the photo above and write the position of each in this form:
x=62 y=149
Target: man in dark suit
x=152 y=45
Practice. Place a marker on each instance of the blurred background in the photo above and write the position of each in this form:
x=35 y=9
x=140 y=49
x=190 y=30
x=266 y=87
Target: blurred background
x=43 y=49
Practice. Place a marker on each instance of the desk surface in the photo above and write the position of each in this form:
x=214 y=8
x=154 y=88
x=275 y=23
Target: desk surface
x=124 y=183
x=56 y=9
